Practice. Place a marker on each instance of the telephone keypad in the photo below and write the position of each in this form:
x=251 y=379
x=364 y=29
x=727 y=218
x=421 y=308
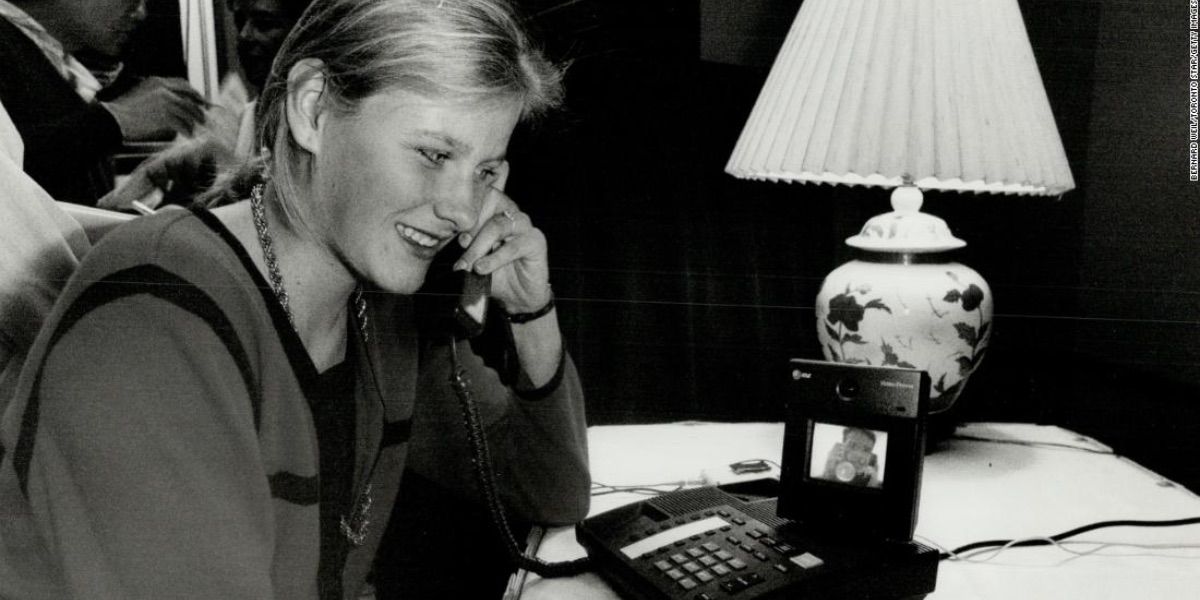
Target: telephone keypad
x=725 y=562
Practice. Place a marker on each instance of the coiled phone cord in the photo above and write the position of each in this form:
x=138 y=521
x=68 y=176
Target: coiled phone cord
x=481 y=461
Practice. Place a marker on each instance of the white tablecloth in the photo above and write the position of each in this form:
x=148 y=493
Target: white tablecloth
x=995 y=481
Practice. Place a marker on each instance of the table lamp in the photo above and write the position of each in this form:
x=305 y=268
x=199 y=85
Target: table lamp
x=910 y=95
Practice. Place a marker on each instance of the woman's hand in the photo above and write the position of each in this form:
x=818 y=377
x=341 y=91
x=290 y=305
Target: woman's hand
x=509 y=247
x=513 y=251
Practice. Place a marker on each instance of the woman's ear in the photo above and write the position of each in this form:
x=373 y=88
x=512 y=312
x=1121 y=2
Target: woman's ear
x=305 y=108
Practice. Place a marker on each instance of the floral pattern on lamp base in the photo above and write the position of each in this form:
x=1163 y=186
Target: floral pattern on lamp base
x=935 y=317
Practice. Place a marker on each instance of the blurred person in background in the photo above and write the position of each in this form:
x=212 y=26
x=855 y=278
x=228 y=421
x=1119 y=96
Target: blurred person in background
x=70 y=126
x=191 y=165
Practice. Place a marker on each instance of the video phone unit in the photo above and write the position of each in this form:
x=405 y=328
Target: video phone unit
x=853 y=449
x=838 y=524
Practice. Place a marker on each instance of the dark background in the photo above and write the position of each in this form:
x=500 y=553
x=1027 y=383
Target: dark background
x=683 y=291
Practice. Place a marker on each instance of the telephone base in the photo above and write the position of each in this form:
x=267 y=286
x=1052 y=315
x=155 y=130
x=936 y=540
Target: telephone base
x=709 y=543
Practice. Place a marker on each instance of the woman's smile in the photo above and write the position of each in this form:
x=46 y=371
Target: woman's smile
x=424 y=244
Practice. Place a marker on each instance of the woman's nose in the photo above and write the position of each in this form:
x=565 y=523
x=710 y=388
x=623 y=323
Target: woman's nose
x=459 y=202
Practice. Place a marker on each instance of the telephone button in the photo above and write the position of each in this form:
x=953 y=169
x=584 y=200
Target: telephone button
x=752 y=578
x=691 y=567
x=807 y=560
x=704 y=576
x=695 y=552
x=783 y=548
x=711 y=547
x=678 y=559
x=708 y=561
x=721 y=570
x=675 y=574
x=723 y=554
x=782 y=568
x=723 y=513
x=733 y=586
x=754 y=534
x=687 y=583
x=760 y=556
x=737 y=564
x=768 y=540
x=663 y=566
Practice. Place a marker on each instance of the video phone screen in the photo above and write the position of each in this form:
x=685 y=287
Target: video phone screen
x=853 y=456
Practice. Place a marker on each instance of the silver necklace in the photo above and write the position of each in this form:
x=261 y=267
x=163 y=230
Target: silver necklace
x=355 y=526
x=268 y=249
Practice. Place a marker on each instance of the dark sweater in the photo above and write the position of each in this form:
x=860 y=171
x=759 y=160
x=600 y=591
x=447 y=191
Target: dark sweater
x=162 y=444
x=69 y=143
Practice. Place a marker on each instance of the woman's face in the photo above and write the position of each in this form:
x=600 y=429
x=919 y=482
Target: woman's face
x=400 y=178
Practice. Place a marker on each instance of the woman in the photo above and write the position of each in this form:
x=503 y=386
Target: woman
x=221 y=403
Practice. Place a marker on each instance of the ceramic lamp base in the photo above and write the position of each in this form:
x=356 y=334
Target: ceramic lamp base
x=908 y=311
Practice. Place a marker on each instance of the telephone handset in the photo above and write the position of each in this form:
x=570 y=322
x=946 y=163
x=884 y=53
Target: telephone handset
x=470 y=315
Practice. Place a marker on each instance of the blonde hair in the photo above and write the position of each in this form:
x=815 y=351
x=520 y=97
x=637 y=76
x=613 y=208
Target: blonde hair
x=460 y=50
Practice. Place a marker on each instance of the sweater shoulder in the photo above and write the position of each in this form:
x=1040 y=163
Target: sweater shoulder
x=175 y=241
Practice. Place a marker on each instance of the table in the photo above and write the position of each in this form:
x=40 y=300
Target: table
x=992 y=481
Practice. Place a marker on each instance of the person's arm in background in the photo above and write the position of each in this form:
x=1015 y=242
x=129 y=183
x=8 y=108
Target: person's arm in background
x=190 y=164
x=157 y=108
x=41 y=245
x=144 y=474
x=183 y=170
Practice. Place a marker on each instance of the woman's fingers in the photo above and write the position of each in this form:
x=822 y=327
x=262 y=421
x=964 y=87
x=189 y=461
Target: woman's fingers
x=511 y=250
x=505 y=222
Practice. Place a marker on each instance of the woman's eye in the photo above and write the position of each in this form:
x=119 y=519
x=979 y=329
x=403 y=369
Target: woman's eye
x=488 y=175
x=434 y=156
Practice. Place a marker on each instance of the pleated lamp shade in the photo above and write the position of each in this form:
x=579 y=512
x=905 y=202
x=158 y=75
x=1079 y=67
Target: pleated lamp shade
x=943 y=94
